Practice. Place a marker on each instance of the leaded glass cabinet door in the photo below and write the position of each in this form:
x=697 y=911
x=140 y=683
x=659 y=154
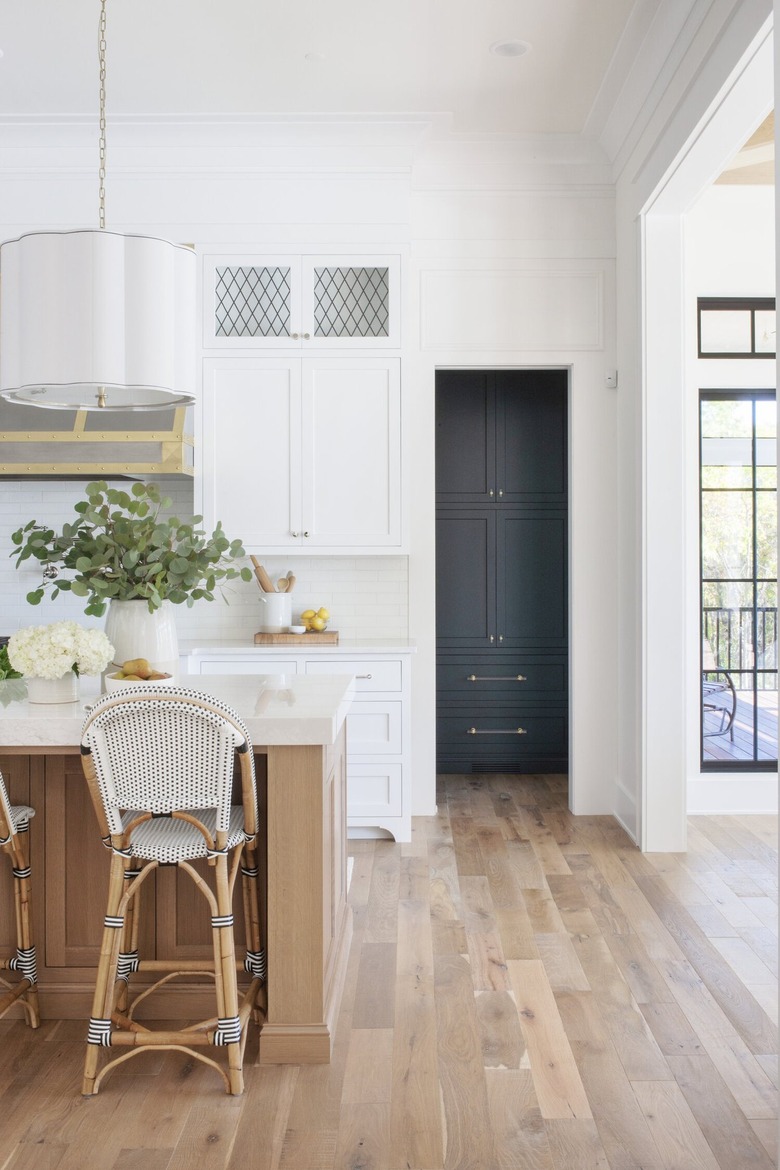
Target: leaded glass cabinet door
x=351 y=301
x=252 y=302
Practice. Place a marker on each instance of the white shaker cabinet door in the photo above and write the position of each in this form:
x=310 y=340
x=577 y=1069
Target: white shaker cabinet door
x=251 y=450
x=302 y=453
x=351 y=462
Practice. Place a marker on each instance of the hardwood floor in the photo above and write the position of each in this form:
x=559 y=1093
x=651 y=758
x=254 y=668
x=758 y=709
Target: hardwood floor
x=526 y=990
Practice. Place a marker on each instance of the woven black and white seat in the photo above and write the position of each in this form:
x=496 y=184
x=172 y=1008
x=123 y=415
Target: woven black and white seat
x=160 y=765
x=14 y=842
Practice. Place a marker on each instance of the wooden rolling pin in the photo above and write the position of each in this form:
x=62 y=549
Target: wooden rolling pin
x=264 y=581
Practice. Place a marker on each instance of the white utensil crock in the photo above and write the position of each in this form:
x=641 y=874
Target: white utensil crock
x=276 y=614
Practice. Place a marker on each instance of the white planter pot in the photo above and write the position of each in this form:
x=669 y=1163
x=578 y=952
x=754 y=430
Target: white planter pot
x=134 y=632
x=53 y=690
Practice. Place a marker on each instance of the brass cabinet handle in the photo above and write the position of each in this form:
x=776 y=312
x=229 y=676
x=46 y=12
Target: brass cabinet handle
x=496 y=678
x=496 y=731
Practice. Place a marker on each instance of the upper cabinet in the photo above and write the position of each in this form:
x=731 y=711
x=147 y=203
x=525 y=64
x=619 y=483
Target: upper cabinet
x=300 y=302
x=303 y=453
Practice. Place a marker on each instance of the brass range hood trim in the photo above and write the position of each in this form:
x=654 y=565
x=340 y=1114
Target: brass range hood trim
x=174 y=446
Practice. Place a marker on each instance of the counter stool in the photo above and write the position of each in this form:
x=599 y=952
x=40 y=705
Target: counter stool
x=159 y=763
x=14 y=841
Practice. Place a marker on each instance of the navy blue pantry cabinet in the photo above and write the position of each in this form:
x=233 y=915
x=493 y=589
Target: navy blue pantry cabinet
x=501 y=570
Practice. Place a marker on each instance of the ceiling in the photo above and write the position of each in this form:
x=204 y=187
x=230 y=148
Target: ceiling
x=250 y=57
x=754 y=164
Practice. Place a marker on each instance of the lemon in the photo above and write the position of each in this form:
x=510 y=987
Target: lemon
x=317 y=623
x=323 y=613
x=308 y=613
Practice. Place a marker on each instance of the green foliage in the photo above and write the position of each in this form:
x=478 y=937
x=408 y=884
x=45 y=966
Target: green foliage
x=6 y=670
x=121 y=548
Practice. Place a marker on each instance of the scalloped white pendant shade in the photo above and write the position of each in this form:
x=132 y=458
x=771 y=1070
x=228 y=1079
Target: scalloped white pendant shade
x=97 y=320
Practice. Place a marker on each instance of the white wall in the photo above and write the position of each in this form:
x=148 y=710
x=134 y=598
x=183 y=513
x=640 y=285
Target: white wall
x=677 y=134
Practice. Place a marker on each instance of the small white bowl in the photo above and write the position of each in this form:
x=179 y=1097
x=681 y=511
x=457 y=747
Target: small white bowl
x=119 y=684
x=297 y=629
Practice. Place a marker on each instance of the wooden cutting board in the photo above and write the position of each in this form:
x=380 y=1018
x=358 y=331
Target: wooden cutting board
x=326 y=638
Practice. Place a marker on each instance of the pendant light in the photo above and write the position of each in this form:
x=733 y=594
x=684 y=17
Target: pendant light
x=96 y=319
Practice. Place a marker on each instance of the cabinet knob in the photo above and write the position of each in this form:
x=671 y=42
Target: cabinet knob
x=491 y=493
x=295 y=336
x=492 y=638
x=295 y=534
x=500 y=637
x=306 y=336
x=305 y=534
x=500 y=493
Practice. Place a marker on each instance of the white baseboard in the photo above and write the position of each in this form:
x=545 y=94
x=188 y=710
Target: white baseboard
x=732 y=793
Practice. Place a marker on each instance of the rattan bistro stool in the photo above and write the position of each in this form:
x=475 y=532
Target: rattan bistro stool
x=159 y=764
x=14 y=841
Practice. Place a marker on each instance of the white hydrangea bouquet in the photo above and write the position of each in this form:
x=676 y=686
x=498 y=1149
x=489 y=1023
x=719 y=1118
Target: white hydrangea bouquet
x=51 y=651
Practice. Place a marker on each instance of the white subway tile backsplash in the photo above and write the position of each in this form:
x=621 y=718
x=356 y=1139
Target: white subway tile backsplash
x=367 y=596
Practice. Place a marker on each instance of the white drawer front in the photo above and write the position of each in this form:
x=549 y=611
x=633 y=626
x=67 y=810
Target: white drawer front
x=374 y=728
x=241 y=666
x=374 y=790
x=369 y=676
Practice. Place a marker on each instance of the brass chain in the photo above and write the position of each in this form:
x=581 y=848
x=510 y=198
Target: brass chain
x=102 y=142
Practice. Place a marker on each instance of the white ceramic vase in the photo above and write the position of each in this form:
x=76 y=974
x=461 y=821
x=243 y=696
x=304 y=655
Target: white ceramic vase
x=134 y=632
x=53 y=690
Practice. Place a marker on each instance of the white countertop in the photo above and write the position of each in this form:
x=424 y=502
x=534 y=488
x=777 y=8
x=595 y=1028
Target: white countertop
x=278 y=710
x=301 y=644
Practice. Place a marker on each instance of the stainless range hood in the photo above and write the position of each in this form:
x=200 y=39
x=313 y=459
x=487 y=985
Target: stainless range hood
x=88 y=443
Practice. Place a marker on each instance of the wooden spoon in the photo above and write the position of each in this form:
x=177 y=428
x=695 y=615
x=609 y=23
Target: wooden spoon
x=290 y=582
x=282 y=585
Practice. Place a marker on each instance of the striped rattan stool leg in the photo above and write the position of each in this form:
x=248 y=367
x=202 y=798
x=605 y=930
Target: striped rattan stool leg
x=229 y=1029
x=25 y=991
x=99 y=1033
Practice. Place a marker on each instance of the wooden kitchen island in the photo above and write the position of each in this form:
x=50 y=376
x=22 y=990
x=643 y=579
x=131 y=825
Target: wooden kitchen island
x=297 y=727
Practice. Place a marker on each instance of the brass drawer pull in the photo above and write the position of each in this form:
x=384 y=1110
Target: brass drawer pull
x=496 y=731
x=496 y=678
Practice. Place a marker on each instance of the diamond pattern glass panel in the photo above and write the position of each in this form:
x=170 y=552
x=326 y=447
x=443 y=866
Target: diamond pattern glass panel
x=252 y=302
x=351 y=302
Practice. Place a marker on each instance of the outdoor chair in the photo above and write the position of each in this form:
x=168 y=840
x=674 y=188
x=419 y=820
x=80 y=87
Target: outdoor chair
x=14 y=841
x=160 y=765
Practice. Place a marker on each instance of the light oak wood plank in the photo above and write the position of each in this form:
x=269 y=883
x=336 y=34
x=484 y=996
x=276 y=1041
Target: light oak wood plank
x=575 y=1145
x=468 y=1139
x=415 y=1116
x=368 y=1076
x=673 y=1126
x=766 y=1132
x=500 y=1036
x=729 y=1134
x=559 y=1089
x=519 y=1131
x=561 y=962
x=363 y=1137
x=750 y=1020
x=622 y=1127
x=374 y=1005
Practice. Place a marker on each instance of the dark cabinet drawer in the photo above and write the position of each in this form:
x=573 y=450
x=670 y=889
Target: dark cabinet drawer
x=479 y=677
x=470 y=741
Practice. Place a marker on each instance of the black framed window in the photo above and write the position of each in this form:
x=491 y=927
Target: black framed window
x=736 y=327
x=738 y=507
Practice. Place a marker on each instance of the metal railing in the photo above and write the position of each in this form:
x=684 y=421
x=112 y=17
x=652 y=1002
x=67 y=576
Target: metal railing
x=742 y=640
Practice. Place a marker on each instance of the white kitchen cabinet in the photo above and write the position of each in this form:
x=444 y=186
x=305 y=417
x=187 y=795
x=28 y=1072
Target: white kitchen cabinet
x=285 y=301
x=378 y=724
x=303 y=453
